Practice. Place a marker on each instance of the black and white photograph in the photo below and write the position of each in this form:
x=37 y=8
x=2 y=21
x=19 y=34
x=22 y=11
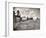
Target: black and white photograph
x=25 y=18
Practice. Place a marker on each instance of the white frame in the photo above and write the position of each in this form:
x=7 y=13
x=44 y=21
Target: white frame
x=9 y=17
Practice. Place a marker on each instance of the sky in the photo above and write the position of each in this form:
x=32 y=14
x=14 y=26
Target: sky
x=28 y=12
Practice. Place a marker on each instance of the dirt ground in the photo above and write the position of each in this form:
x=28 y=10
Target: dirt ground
x=27 y=25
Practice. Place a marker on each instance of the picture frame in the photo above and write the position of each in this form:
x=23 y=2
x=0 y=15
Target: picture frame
x=9 y=19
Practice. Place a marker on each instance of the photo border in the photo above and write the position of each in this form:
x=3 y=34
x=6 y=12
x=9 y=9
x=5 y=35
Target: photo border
x=7 y=15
